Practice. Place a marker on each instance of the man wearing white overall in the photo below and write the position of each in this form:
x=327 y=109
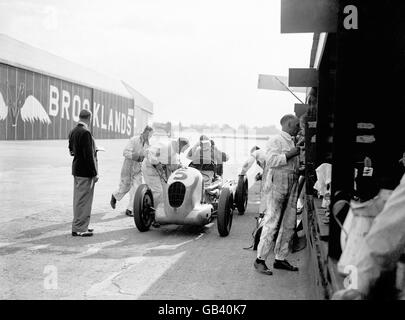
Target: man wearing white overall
x=281 y=183
x=131 y=174
x=259 y=156
x=160 y=161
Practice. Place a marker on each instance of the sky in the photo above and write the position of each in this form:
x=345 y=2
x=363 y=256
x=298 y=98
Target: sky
x=197 y=61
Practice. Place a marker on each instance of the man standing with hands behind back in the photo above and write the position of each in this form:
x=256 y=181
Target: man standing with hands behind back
x=84 y=171
x=282 y=164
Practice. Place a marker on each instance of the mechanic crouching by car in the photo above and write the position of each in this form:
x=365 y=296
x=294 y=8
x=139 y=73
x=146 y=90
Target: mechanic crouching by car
x=205 y=157
x=160 y=161
x=281 y=183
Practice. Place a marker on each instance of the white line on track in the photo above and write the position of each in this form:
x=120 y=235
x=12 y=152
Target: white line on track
x=41 y=246
x=137 y=275
x=175 y=246
x=94 y=248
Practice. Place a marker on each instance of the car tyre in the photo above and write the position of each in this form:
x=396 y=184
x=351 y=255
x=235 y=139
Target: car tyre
x=143 y=208
x=225 y=212
x=241 y=194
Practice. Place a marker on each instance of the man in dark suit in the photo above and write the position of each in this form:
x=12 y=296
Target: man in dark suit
x=84 y=171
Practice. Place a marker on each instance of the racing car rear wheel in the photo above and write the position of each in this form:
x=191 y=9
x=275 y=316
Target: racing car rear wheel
x=241 y=194
x=143 y=208
x=225 y=205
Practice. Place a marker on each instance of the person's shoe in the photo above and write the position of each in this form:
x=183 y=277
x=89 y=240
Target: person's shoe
x=129 y=213
x=90 y=230
x=261 y=267
x=113 y=201
x=348 y=294
x=155 y=224
x=284 y=264
x=299 y=244
x=82 y=234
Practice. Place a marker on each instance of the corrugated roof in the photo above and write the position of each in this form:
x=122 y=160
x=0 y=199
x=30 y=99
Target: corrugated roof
x=140 y=100
x=20 y=54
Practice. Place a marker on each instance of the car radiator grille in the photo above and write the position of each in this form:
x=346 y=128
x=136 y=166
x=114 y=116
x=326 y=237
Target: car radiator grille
x=176 y=192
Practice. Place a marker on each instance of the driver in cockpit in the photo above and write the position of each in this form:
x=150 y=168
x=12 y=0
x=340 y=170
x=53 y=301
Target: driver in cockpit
x=206 y=158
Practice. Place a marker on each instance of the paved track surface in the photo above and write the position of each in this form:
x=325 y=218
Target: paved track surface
x=39 y=259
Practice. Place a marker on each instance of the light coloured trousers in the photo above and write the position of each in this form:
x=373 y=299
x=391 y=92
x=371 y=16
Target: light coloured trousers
x=280 y=217
x=131 y=179
x=83 y=191
x=154 y=182
x=263 y=194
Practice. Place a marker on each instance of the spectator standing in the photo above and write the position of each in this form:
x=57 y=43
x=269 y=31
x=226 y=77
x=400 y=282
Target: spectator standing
x=85 y=173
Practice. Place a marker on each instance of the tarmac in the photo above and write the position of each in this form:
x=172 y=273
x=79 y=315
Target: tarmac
x=39 y=258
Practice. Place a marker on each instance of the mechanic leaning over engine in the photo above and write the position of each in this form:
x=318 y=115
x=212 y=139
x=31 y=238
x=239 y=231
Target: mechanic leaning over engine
x=131 y=175
x=160 y=161
x=205 y=157
x=281 y=185
x=259 y=156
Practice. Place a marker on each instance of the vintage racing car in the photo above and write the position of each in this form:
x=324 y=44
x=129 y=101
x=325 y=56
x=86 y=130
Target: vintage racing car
x=187 y=202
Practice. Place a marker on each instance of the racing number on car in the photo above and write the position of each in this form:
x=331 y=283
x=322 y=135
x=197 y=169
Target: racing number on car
x=180 y=175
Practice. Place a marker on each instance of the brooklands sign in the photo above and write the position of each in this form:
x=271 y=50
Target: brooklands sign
x=63 y=103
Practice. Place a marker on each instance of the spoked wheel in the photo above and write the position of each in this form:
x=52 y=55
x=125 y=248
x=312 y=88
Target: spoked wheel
x=225 y=212
x=143 y=208
x=241 y=194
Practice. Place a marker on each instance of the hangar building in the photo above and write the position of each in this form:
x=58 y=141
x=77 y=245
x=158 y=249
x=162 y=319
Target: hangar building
x=41 y=96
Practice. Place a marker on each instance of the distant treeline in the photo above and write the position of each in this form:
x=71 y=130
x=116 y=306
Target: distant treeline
x=215 y=128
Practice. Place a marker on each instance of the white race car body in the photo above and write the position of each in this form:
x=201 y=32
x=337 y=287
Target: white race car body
x=184 y=200
x=187 y=201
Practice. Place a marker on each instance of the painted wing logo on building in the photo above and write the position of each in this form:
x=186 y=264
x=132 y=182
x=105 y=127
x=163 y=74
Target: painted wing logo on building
x=30 y=109
x=33 y=110
x=3 y=108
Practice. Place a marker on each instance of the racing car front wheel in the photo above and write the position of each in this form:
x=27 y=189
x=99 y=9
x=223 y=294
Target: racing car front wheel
x=241 y=194
x=225 y=208
x=143 y=208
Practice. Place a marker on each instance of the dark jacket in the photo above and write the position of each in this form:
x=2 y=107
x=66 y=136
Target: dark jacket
x=83 y=150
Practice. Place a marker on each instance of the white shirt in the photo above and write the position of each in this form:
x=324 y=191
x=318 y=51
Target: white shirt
x=277 y=146
x=385 y=242
x=84 y=124
x=163 y=153
x=134 y=148
x=133 y=153
x=259 y=156
x=205 y=151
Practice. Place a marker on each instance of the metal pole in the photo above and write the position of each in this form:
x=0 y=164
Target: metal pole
x=289 y=89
